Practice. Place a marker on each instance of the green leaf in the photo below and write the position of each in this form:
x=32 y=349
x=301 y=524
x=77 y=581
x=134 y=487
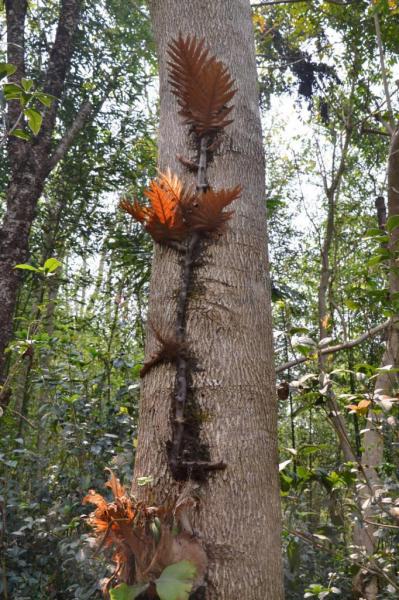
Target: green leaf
x=376 y=260
x=374 y=232
x=12 y=91
x=309 y=449
x=295 y=330
x=34 y=119
x=6 y=69
x=293 y=555
x=392 y=222
x=45 y=99
x=176 y=581
x=26 y=267
x=20 y=133
x=351 y=304
x=127 y=592
x=147 y=480
x=51 y=265
x=26 y=84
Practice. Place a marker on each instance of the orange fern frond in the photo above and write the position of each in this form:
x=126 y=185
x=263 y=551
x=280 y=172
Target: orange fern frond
x=205 y=212
x=163 y=203
x=138 y=212
x=202 y=85
x=143 y=538
x=115 y=486
x=163 y=218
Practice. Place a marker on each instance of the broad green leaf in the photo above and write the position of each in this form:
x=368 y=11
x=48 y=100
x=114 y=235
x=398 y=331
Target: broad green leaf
x=26 y=84
x=34 y=119
x=375 y=260
x=295 y=330
x=51 y=265
x=310 y=449
x=176 y=581
x=20 y=133
x=351 y=304
x=45 y=99
x=26 y=267
x=12 y=91
x=127 y=592
x=6 y=69
x=373 y=232
x=392 y=222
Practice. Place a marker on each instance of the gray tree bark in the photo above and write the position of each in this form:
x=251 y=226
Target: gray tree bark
x=386 y=383
x=229 y=326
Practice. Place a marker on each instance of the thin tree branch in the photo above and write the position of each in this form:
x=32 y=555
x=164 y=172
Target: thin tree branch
x=391 y=124
x=337 y=348
x=373 y=568
x=59 y=63
x=374 y=131
x=21 y=416
x=273 y=2
x=69 y=137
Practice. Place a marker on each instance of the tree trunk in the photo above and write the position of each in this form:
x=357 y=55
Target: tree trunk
x=30 y=163
x=386 y=382
x=229 y=327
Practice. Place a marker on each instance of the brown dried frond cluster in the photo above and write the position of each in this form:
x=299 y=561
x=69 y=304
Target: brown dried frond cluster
x=175 y=211
x=143 y=538
x=170 y=348
x=202 y=85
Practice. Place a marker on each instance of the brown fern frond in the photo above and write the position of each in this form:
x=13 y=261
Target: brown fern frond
x=202 y=85
x=115 y=486
x=204 y=213
x=170 y=349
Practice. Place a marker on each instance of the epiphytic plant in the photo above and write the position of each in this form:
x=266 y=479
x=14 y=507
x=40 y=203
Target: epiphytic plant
x=182 y=217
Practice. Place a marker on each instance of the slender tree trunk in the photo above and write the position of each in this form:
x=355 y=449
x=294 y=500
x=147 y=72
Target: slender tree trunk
x=229 y=327
x=30 y=163
x=386 y=382
x=332 y=192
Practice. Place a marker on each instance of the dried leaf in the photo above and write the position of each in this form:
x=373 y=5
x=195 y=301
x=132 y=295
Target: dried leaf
x=138 y=212
x=115 y=486
x=361 y=408
x=202 y=85
x=93 y=498
x=205 y=212
x=170 y=349
x=163 y=199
